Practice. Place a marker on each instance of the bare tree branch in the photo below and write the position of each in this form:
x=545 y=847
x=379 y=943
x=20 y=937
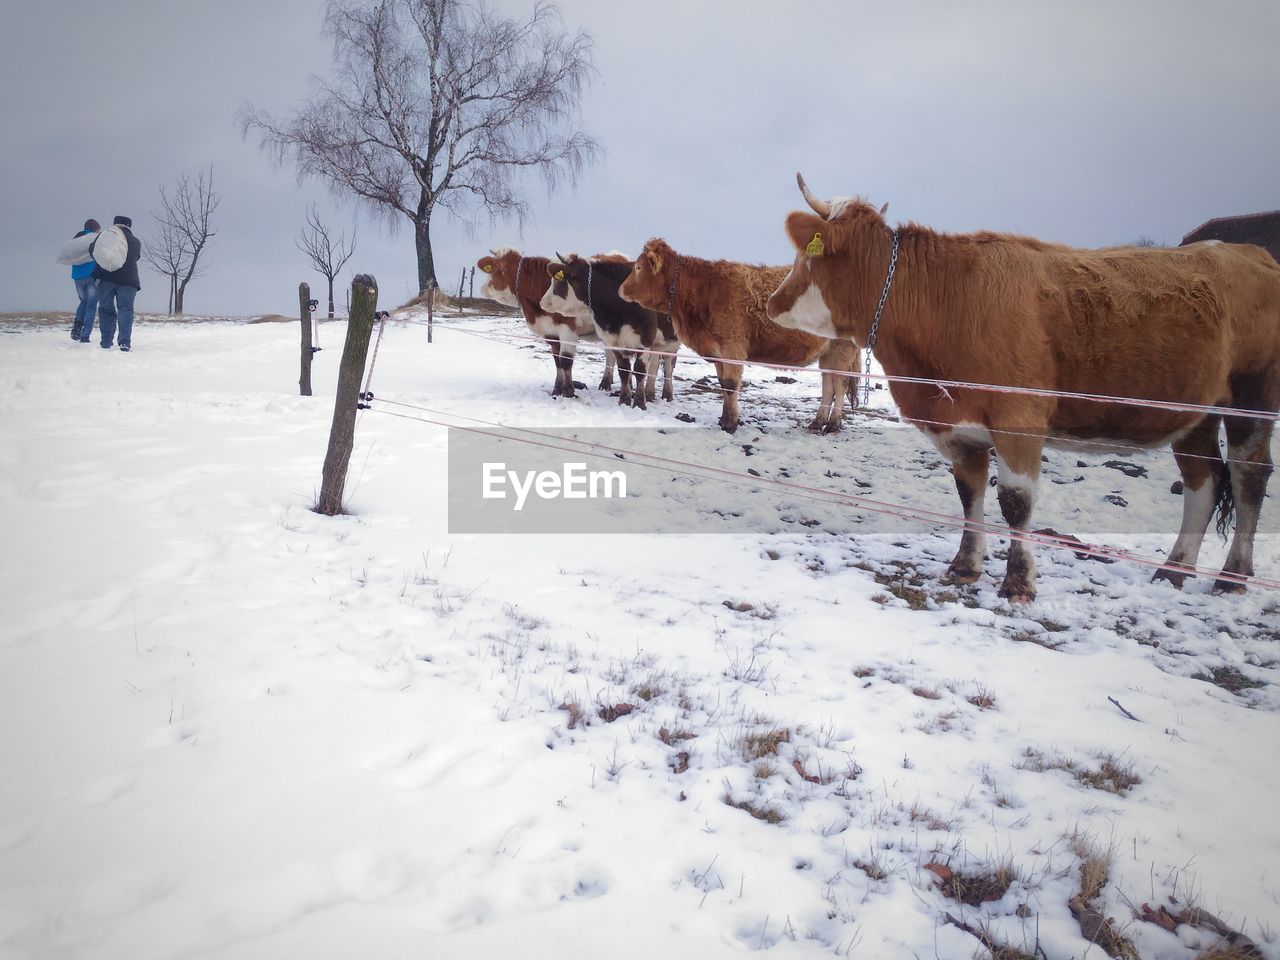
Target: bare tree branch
x=184 y=227
x=326 y=255
x=439 y=103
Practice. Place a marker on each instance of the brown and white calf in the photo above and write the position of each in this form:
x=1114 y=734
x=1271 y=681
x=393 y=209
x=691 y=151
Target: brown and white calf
x=641 y=339
x=1191 y=325
x=520 y=281
x=717 y=308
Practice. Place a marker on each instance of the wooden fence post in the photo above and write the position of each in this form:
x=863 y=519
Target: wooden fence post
x=431 y=307
x=462 y=282
x=304 y=310
x=364 y=304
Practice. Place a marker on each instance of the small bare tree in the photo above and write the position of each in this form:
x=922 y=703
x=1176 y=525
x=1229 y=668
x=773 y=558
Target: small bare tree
x=184 y=226
x=167 y=255
x=327 y=256
x=438 y=104
x=1147 y=242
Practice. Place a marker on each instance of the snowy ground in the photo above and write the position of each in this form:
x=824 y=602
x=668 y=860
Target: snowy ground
x=235 y=728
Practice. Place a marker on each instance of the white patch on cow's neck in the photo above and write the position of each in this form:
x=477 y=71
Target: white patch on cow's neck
x=500 y=252
x=568 y=305
x=809 y=313
x=1212 y=243
x=502 y=296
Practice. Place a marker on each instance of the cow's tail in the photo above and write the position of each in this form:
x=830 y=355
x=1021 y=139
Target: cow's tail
x=1224 y=505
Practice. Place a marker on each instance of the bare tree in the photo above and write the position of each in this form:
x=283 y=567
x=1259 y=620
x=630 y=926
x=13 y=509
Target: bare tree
x=1147 y=242
x=325 y=255
x=439 y=104
x=184 y=226
x=167 y=255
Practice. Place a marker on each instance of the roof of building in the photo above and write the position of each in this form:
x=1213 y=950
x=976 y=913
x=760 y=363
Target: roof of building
x=1262 y=229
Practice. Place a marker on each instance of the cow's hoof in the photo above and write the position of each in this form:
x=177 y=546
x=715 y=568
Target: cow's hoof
x=833 y=426
x=728 y=424
x=1177 y=578
x=1228 y=586
x=639 y=403
x=624 y=400
x=816 y=426
x=1017 y=592
x=668 y=396
x=962 y=576
x=606 y=384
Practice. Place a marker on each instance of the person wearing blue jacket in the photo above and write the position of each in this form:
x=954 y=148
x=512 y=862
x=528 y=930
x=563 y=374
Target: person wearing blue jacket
x=86 y=289
x=116 y=290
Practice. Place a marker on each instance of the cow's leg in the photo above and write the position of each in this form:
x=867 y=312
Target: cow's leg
x=668 y=374
x=624 y=377
x=554 y=343
x=640 y=374
x=1249 y=439
x=1019 y=469
x=568 y=349
x=651 y=364
x=606 y=381
x=837 y=355
x=730 y=384
x=835 y=419
x=819 y=423
x=1203 y=483
x=970 y=465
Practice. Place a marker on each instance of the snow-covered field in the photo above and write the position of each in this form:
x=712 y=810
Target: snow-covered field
x=235 y=728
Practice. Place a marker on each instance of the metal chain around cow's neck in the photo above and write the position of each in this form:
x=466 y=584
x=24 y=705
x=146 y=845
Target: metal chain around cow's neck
x=589 y=306
x=515 y=291
x=875 y=324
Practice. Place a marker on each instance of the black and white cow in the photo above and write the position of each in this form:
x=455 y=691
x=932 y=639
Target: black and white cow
x=520 y=281
x=640 y=339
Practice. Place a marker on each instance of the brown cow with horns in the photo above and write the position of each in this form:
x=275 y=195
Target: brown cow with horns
x=1191 y=325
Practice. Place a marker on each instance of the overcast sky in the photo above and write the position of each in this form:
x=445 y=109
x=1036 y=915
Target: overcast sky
x=1088 y=123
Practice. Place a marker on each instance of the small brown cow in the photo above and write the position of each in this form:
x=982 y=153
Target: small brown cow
x=1191 y=325
x=718 y=309
x=520 y=281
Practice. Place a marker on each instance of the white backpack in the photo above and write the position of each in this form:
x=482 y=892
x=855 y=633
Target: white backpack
x=111 y=249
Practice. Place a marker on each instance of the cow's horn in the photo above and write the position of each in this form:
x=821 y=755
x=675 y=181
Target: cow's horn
x=820 y=207
x=561 y=257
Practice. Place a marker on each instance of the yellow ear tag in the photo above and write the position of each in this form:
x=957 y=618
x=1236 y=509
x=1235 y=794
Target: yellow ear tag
x=815 y=247
x=487 y=268
x=559 y=274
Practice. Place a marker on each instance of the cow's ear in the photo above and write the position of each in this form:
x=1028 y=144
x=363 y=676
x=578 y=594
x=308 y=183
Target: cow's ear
x=885 y=208
x=811 y=235
x=655 y=260
x=552 y=267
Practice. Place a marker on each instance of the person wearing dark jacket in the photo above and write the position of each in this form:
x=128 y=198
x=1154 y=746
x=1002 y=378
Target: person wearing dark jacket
x=116 y=290
x=86 y=289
